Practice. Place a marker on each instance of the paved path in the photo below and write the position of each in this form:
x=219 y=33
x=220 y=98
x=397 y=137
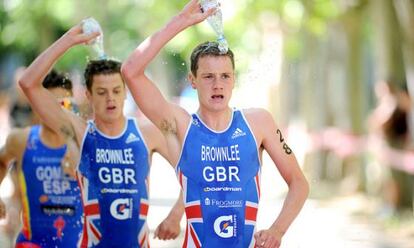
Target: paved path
x=342 y=222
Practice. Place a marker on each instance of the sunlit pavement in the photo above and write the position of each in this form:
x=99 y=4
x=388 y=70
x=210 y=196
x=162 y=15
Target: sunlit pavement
x=333 y=223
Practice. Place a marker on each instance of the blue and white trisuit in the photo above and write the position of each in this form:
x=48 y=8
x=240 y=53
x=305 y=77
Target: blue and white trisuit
x=220 y=176
x=51 y=204
x=113 y=177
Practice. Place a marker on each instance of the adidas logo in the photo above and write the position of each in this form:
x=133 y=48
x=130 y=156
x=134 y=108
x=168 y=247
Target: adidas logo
x=131 y=138
x=195 y=122
x=91 y=129
x=237 y=133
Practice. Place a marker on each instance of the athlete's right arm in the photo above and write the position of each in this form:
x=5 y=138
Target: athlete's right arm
x=42 y=101
x=170 y=228
x=8 y=153
x=148 y=97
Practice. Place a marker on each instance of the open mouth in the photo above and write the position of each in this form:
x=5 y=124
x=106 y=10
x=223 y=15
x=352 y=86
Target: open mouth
x=217 y=97
x=110 y=108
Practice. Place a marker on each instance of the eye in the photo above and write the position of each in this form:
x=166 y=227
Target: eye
x=100 y=93
x=225 y=76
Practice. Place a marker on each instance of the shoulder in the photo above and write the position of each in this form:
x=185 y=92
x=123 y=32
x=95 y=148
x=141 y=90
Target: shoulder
x=257 y=116
x=261 y=122
x=18 y=136
x=17 y=139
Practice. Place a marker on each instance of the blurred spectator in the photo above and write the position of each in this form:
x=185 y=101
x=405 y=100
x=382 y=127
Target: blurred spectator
x=390 y=121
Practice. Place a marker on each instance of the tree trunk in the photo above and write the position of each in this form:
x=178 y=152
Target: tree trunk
x=352 y=20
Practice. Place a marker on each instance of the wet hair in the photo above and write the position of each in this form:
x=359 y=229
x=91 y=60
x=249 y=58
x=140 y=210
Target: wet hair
x=99 y=67
x=57 y=80
x=209 y=48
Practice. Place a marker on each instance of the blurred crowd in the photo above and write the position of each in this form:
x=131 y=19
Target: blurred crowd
x=386 y=148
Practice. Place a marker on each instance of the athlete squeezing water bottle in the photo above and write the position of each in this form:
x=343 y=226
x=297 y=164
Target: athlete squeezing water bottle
x=50 y=199
x=217 y=151
x=114 y=151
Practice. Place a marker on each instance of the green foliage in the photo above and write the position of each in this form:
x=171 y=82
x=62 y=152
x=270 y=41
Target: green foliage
x=29 y=26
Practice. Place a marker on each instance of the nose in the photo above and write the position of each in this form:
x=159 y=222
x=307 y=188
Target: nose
x=217 y=84
x=110 y=96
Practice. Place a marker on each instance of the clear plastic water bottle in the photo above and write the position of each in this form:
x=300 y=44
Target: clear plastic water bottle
x=216 y=22
x=90 y=25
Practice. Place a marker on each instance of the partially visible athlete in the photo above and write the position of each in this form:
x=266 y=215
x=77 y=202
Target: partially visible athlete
x=50 y=199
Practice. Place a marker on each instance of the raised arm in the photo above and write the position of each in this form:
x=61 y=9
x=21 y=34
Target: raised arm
x=146 y=94
x=42 y=101
x=275 y=144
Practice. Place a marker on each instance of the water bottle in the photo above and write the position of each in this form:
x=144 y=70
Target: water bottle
x=216 y=22
x=90 y=25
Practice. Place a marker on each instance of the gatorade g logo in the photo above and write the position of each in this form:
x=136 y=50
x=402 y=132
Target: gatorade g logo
x=121 y=209
x=224 y=226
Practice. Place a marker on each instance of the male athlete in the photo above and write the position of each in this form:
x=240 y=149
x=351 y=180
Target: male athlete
x=217 y=151
x=50 y=199
x=114 y=150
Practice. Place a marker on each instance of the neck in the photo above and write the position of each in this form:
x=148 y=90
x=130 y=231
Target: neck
x=50 y=137
x=217 y=121
x=111 y=128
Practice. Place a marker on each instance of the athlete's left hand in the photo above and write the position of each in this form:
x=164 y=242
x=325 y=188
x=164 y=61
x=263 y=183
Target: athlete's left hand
x=268 y=239
x=168 y=229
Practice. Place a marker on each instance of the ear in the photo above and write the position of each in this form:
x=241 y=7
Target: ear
x=88 y=95
x=191 y=79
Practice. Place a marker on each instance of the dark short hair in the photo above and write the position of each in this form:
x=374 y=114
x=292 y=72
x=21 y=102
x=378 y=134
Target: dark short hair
x=57 y=80
x=98 y=67
x=209 y=48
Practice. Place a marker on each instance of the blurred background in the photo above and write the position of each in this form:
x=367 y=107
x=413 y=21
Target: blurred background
x=337 y=75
